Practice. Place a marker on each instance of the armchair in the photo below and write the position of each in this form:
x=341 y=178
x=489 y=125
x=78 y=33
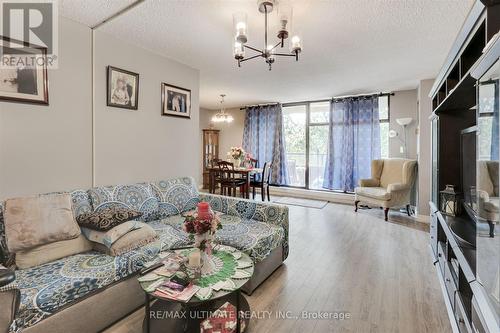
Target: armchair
x=389 y=186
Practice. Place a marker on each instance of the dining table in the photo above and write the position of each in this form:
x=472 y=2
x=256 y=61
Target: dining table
x=243 y=172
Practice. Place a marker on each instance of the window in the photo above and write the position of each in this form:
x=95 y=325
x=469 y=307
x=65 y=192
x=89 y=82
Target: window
x=306 y=129
x=319 y=118
x=383 y=107
x=294 y=124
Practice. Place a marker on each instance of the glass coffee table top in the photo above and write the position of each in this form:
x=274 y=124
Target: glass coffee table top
x=223 y=272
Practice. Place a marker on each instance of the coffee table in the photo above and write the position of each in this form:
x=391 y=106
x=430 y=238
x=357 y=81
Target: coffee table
x=227 y=266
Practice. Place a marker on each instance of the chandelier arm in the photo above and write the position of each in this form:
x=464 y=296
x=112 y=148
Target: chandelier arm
x=252 y=48
x=284 y=54
x=275 y=46
x=250 y=58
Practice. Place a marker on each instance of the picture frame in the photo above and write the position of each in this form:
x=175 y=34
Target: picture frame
x=175 y=101
x=21 y=82
x=122 y=88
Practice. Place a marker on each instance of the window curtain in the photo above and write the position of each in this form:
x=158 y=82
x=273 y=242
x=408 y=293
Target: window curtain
x=354 y=141
x=263 y=138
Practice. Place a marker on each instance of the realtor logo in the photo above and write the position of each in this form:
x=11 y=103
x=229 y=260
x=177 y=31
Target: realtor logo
x=29 y=24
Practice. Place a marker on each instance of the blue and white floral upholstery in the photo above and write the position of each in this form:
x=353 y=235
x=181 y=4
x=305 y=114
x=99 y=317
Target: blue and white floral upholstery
x=175 y=196
x=253 y=227
x=139 y=197
x=273 y=214
x=257 y=239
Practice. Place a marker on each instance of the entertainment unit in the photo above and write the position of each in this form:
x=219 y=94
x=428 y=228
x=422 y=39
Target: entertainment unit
x=465 y=153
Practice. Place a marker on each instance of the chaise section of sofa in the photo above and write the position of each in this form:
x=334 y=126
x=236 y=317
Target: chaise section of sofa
x=52 y=297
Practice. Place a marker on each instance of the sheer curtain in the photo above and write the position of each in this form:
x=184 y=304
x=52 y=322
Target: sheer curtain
x=354 y=140
x=263 y=138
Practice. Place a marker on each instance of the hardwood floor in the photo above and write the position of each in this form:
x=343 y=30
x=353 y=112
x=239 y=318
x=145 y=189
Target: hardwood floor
x=378 y=273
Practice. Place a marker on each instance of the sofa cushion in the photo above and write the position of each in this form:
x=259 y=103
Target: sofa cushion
x=139 y=197
x=108 y=238
x=80 y=203
x=107 y=218
x=49 y=252
x=175 y=196
x=39 y=220
x=130 y=241
x=257 y=239
x=378 y=193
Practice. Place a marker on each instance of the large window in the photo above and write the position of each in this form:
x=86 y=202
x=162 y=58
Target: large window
x=383 y=108
x=306 y=127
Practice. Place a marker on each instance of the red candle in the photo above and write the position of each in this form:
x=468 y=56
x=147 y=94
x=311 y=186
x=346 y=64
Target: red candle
x=203 y=210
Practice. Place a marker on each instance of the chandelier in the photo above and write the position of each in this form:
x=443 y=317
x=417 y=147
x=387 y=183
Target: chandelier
x=269 y=52
x=222 y=116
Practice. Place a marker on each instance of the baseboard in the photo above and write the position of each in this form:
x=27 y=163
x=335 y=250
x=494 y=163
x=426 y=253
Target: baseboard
x=422 y=218
x=342 y=198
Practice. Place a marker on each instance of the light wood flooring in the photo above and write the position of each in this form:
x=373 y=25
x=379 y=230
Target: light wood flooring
x=340 y=261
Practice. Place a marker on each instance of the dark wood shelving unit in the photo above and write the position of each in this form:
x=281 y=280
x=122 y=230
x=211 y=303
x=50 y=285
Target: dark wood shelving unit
x=453 y=102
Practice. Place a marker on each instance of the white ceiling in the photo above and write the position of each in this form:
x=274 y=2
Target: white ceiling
x=350 y=46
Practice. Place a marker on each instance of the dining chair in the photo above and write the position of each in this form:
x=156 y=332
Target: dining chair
x=227 y=178
x=263 y=182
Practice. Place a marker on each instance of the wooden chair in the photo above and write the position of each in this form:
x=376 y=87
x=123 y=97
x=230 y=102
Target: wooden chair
x=227 y=178
x=263 y=183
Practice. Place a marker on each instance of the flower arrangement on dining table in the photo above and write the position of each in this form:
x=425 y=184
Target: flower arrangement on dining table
x=201 y=226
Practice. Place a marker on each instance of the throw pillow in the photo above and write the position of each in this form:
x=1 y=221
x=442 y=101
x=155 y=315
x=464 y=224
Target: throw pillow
x=107 y=238
x=38 y=220
x=107 y=218
x=132 y=240
x=49 y=252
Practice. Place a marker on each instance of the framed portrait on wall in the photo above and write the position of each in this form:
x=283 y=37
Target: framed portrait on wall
x=175 y=101
x=23 y=73
x=122 y=88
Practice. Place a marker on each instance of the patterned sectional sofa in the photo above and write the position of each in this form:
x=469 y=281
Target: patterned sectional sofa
x=89 y=291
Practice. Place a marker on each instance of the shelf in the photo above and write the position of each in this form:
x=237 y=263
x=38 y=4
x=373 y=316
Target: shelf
x=463 y=96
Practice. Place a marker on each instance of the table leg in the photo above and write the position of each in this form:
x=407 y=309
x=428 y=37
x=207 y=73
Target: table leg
x=247 y=188
x=147 y=314
x=238 y=324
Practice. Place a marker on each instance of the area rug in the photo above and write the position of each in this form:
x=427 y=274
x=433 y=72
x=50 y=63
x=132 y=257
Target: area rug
x=318 y=204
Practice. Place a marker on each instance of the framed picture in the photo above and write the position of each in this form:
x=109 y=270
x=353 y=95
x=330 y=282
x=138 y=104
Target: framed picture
x=122 y=88
x=175 y=101
x=21 y=80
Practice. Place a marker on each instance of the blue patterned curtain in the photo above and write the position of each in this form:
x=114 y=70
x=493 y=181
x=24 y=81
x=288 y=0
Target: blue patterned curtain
x=263 y=138
x=354 y=140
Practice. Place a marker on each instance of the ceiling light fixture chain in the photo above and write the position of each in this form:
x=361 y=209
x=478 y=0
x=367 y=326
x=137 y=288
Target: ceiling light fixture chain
x=268 y=53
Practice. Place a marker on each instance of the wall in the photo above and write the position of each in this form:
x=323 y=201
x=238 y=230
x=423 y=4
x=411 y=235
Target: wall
x=142 y=145
x=403 y=105
x=230 y=134
x=424 y=147
x=49 y=148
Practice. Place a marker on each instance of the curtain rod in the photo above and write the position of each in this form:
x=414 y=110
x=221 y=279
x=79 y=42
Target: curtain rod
x=254 y=105
x=322 y=100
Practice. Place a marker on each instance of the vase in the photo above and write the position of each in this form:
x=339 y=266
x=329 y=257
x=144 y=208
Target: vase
x=237 y=162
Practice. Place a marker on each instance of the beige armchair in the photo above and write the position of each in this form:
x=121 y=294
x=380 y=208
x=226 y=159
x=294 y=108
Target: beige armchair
x=488 y=198
x=390 y=185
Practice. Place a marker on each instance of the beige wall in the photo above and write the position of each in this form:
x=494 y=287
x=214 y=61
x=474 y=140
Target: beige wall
x=424 y=147
x=403 y=105
x=142 y=145
x=230 y=134
x=49 y=148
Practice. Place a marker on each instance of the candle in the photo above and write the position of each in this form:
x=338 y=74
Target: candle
x=203 y=210
x=195 y=258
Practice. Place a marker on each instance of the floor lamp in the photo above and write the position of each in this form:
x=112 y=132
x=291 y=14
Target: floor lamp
x=404 y=122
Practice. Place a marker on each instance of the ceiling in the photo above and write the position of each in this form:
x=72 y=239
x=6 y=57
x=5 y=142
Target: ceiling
x=350 y=46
